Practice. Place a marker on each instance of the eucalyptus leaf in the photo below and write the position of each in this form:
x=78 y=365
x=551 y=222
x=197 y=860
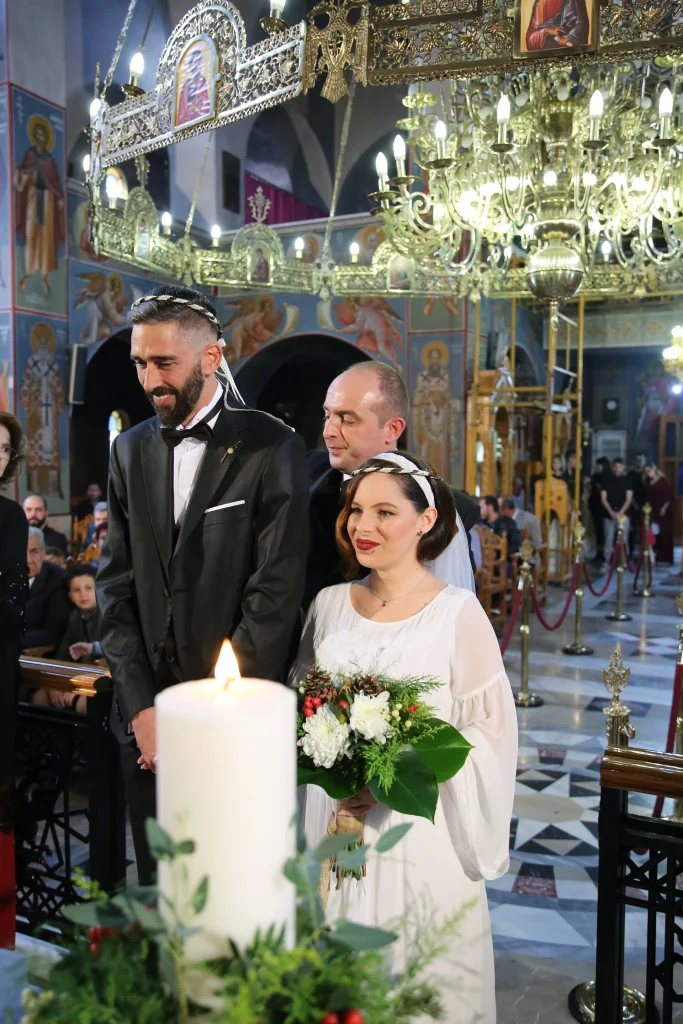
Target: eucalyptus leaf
x=185 y=847
x=445 y=751
x=200 y=895
x=360 y=938
x=391 y=837
x=144 y=893
x=160 y=843
x=352 y=860
x=331 y=846
x=415 y=789
x=293 y=872
x=149 y=919
x=92 y=914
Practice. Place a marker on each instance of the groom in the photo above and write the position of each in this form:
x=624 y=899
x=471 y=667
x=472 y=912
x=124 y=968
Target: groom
x=207 y=534
x=366 y=412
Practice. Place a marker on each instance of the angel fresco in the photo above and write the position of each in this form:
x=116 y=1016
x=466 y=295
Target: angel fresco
x=373 y=320
x=106 y=302
x=252 y=326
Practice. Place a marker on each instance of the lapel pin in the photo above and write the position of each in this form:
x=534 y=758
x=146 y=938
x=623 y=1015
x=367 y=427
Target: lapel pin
x=230 y=451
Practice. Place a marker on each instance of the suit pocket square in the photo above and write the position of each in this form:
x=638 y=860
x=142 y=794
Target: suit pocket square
x=229 y=504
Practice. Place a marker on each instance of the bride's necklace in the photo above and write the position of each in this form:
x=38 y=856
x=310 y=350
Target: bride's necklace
x=391 y=600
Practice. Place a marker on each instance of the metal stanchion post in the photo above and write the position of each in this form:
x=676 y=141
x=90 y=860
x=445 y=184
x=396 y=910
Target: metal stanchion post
x=619 y=731
x=525 y=699
x=646 y=589
x=620 y=615
x=678 y=803
x=578 y=647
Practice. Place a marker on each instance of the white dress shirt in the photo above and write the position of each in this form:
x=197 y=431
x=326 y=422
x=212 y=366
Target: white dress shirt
x=187 y=458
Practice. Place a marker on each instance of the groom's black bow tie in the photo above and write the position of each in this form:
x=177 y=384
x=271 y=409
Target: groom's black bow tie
x=172 y=437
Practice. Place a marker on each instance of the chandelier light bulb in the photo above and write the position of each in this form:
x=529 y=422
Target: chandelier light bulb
x=354 y=251
x=512 y=183
x=666 y=103
x=299 y=246
x=677 y=332
x=382 y=168
x=95 y=107
x=216 y=233
x=590 y=178
x=137 y=64
x=606 y=249
x=276 y=8
x=400 y=155
x=440 y=133
x=550 y=178
x=597 y=105
x=86 y=163
x=166 y=222
x=112 y=186
x=503 y=112
x=676 y=389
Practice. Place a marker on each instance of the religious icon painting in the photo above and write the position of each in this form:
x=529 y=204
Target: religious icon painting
x=544 y=27
x=6 y=362
x=259 y=264
x=143 y=236
x=42 y=407
x=400 y=274
x=5 y=185
x=39 y=204
x=195 y=83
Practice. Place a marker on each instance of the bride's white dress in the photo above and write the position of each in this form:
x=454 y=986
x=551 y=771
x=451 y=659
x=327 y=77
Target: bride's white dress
x=438 y=867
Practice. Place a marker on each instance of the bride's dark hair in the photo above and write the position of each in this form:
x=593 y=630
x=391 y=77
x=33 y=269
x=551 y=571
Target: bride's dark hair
x=432 y=544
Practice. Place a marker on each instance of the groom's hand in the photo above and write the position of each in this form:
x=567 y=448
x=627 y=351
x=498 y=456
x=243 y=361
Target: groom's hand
x=144 y=727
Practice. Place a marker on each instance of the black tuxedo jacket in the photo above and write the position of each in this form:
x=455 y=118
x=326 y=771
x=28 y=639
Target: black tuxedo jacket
x=48 y=608
x=55 y=539
x=323 y=568
x=236 y=569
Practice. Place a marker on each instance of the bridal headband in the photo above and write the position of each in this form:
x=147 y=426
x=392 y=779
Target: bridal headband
x=224 y=369
x=404 y=468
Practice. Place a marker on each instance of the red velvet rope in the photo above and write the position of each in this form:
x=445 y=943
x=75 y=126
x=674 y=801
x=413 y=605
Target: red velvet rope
x=513 y=619
x=601 y=593
x=671 y=734
x=563 y=616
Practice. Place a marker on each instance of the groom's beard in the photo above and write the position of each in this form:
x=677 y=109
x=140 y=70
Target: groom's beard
x=186 y=399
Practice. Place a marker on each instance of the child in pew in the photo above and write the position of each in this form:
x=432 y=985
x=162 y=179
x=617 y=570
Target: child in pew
x=81 y=640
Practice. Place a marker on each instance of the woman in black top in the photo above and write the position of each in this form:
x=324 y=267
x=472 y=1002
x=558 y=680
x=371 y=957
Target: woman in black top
x=13 y=597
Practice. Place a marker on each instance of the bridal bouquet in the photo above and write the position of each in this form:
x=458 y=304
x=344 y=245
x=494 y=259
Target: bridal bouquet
x=362 y=730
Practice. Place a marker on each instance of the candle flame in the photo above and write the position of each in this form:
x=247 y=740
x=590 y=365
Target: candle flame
x=227 y=668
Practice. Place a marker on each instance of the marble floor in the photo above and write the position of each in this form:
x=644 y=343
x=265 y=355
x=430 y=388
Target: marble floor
x=543 y=911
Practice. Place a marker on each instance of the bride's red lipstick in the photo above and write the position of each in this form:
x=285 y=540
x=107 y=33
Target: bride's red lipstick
x=366 y=545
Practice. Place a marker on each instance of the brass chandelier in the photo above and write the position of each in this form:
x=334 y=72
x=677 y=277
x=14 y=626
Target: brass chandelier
x=568 y=169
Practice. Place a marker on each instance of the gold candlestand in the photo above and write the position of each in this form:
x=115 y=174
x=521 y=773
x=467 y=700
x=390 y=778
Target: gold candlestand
x=678 y=803
x=525 y=699
x=620 y=615
x=619 y=732
x=646 y=589
x=578 y=647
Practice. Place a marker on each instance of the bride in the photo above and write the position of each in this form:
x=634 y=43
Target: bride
x=402 y=621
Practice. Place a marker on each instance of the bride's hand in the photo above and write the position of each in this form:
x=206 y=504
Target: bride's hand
x=357 y=805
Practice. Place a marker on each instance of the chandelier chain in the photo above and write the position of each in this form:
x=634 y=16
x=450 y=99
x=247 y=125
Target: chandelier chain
x=338 y=173
x=119 y=46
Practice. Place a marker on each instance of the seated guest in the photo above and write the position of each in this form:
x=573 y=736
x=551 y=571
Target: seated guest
x=500 y=525
x=35 y=508
x=86 y=507
x=48 y=607
x=100 y=518
x=524 y=520
x=56 y=556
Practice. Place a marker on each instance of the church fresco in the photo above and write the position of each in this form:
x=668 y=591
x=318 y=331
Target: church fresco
x=5 y=178
x=80 y=246
x=6 y=362
x=41 y=402
x=437 y=402
x=39 y=204
x=99 y=299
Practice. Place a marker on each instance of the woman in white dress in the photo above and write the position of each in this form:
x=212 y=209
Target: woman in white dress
x=402 y=621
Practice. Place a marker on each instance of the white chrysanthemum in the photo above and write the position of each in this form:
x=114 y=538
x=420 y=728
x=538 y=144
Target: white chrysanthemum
x=326 y=738
x=370 y=716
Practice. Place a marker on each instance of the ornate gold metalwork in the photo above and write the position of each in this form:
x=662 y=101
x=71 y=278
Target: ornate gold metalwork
x=336 y=42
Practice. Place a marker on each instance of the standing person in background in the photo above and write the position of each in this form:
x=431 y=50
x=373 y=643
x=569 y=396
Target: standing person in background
x=638 y=483
x=13 y=596
x=616 y=497
x=603 y=469
x=86 y=507
x=660 y=495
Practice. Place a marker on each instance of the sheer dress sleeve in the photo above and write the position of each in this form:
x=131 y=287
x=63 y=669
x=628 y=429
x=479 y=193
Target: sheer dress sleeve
x=477 y=802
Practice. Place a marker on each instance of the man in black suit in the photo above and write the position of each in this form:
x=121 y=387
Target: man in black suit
x=35 y=508
x=207 y=534
x=48 y=609
x=366 y=412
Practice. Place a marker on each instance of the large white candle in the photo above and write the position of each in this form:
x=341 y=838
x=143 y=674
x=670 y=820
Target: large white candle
x=226 y=778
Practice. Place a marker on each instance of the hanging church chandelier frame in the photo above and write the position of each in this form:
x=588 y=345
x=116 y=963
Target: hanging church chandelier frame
x=418 y=41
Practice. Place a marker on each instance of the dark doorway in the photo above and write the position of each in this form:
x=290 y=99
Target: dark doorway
x=111 y=385
x=290 y=378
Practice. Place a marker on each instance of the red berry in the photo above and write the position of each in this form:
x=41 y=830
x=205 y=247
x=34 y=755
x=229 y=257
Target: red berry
x=308 y=712
x=412 y=707
x=316 y=702
x=330 y=1018
x=94 y=948
x=344 y=705
x=353 y=1017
